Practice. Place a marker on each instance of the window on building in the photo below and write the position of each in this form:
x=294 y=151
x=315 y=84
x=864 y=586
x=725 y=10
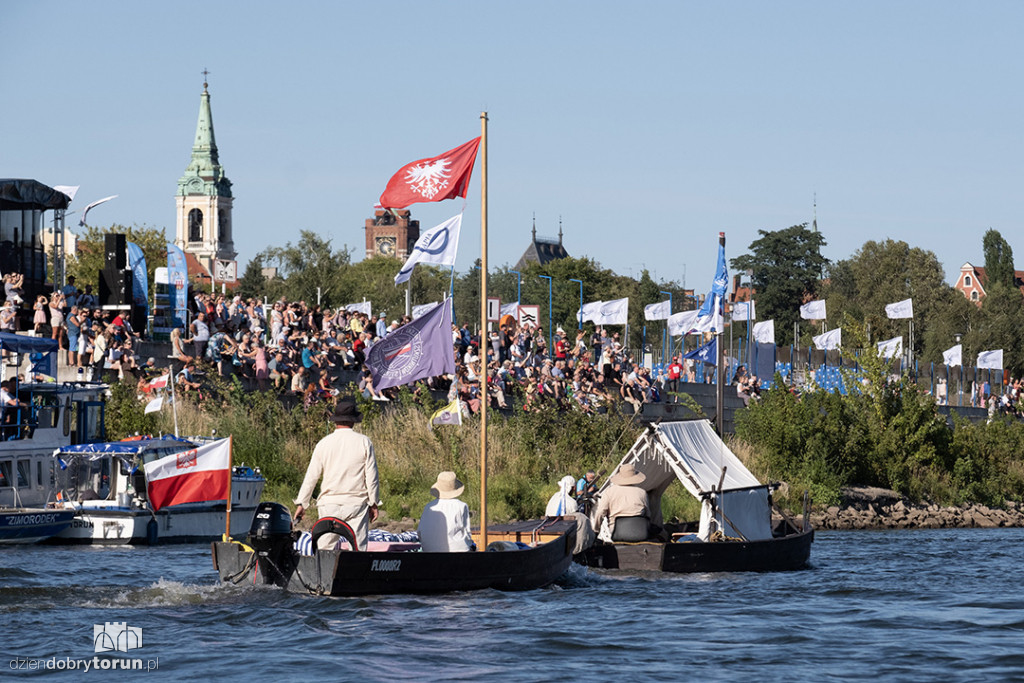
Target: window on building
x=974 y=295
x=967 y=280
x=195 y=225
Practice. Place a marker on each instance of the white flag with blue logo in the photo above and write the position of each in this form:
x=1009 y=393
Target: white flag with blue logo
x=813 y=310
x=659 y=311
x=953 y=356
x=829 y=341
x=890 y=348
x=764 y=333
x=993 y=360
x=437 y=246
x=900 y=309
x=743 y=310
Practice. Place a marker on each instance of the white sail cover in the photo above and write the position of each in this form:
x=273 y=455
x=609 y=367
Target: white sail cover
x=693 y=453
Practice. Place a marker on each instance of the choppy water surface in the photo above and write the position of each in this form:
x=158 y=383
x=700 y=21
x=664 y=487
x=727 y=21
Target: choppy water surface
x=890 y=605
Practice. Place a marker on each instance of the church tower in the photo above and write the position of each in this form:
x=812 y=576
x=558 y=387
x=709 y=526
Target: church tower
x=203 y=200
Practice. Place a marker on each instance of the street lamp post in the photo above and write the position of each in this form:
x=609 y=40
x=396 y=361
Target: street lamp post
x=579 y=318
x=519 y=286
x=664 y=332
x=550 y=337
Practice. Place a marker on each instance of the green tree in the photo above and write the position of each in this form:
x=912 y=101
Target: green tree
x=998 y=259
x=1001 y=327
x=253 y=285
x=787 y=266
x=309 y=266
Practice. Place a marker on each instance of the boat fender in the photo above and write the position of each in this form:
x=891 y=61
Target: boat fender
x=152 y=532
x=333 y=525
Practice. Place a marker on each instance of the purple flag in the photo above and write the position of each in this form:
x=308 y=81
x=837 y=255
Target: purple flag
x=422 y=348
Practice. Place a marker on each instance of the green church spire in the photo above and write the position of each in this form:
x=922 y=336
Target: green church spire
x=204 y=175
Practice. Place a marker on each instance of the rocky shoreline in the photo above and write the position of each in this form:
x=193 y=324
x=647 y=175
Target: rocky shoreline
x=874 y=508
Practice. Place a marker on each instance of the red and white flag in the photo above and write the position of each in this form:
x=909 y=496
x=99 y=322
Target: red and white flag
x=193 y=476
x=159 y=382
x=445 y=176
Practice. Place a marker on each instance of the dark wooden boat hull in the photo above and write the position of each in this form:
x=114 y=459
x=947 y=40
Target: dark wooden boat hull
x=345 y=573
x=777 y=554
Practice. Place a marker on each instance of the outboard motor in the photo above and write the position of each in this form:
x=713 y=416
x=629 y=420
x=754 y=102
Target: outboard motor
x=270 y=535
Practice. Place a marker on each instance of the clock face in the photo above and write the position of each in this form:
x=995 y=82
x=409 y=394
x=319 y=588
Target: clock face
x=386 y=246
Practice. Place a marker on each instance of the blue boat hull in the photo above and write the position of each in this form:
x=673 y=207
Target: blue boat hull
x=29 y=525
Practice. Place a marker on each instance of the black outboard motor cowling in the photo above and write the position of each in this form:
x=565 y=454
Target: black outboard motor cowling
x=270 y=535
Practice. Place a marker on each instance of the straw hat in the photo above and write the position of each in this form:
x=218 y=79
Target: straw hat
x=628 y=476
x=447 y=486
x=346 y=412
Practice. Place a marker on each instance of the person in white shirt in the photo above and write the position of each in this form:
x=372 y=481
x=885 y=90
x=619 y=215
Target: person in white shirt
x=444 y=524
x=562 y=503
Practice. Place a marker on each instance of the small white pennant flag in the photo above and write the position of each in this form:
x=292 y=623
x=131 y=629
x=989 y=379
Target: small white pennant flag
x=659 y=311
x=813 y=310
x=511 y=309
x=744 y=311
x=363 y=307
x=953 y=356
x=764 y=332
x=890 y=348
x=900 y=309
x=832 y=339
x=682 y=323
x=993 y=360
x=155 y=405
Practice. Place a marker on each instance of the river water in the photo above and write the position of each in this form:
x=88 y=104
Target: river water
x=920 y=605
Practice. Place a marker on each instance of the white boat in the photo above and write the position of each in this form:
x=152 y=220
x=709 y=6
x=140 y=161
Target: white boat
x=53 y=416
x=106 y=487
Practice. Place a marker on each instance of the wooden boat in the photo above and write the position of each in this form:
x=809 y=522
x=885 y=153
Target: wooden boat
x=271 y=558
x=735 y=532
x=510 y=563
x=104 y=485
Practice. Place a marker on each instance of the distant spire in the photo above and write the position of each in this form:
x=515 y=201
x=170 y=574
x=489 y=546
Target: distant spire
x=815 y=224
x=559 y=229
x=534 y=226
x=205 y=79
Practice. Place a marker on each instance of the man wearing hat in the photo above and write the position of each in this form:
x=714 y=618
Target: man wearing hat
x=350 y=489
x=444 y=524
x=624 y=497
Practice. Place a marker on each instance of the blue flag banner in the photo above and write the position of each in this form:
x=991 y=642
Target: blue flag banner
x=422 y=348
x=720 y=284
x=177 y=280
x=707 y=353
x=140 y=277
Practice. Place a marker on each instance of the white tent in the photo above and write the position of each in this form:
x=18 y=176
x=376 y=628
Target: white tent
x=732 y=499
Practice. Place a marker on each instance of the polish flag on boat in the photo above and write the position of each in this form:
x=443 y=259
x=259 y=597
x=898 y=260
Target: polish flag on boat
x=192 y=476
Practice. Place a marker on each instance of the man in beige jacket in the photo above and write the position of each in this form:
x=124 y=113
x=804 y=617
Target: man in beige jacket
x=350 y=489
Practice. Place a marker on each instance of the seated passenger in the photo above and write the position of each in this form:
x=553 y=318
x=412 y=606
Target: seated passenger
x=562 y=503
x=624 y=498
x=444 y=524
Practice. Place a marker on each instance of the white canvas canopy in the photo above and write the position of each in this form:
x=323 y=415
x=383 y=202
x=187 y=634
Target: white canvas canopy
x=732 y=499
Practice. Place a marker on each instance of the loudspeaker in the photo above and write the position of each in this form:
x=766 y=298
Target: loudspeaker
x=115 y=287
x=116 y=248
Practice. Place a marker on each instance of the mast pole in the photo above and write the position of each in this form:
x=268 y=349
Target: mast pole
x=719 y=362
x=483 y=326
x=231 y=473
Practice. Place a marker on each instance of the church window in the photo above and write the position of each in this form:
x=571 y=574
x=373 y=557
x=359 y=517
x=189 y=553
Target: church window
x=223 y=233
x=195 y=225
x=967 y=280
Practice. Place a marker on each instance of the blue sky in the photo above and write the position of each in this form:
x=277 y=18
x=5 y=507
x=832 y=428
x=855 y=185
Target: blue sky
x=648 y=127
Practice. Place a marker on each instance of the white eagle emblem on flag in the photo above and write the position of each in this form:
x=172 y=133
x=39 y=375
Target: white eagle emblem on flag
x=430 y=178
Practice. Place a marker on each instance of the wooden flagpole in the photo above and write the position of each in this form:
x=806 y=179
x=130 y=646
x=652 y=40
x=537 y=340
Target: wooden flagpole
x=483 y=327
x=231 y=472
x=720 y=360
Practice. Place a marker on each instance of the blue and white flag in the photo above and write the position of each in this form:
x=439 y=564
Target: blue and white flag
x=422 y=348
x=659 y=311
x=682 y=323
x=589 y=311
x=993 y=360
x=890 y=348
x=140 y=277
x=707 y=353
x=744 y=311
x=613 y=312
x=720 y=283
x=829 y=341
x=437 y=246
x=422 y=309
x=362 y=307
x=953 y=356
x=764 y=333
x=813 y=310
x=900 y=309
x=511 y=309
x=177 y=280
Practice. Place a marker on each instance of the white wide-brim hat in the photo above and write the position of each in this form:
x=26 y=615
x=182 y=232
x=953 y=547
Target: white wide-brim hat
x=447 y=486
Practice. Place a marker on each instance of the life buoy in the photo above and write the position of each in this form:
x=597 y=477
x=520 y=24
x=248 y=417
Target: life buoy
x=332 y=525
